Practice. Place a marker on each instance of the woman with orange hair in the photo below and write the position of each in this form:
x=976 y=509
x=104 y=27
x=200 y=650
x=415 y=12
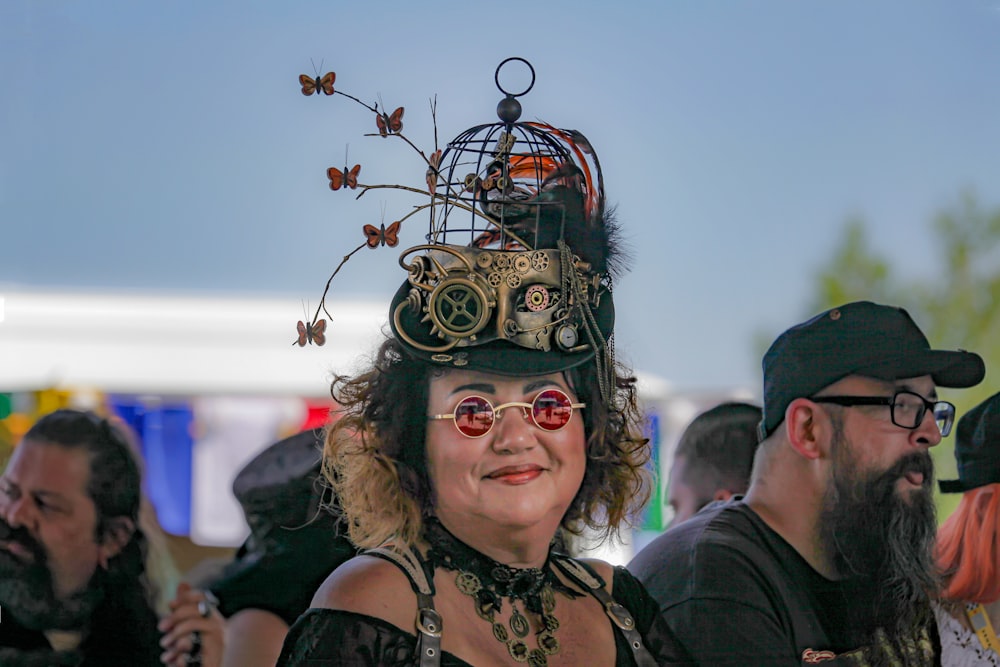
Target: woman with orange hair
x=968 y=549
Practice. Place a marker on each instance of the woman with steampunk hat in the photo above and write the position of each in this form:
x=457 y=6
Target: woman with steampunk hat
x=493 y=416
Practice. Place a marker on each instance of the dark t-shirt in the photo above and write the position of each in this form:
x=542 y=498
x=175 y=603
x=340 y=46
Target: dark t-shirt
x=735 y=593
x=332 y=637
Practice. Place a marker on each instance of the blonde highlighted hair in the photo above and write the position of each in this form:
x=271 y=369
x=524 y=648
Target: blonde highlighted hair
x=968 y=547
x=375 y=454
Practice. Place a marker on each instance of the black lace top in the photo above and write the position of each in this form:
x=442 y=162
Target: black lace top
x=333 y=637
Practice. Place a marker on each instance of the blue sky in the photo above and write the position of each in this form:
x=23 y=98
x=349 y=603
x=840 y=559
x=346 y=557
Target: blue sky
x=164 y=146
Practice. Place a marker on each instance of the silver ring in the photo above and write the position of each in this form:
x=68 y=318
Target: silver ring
x=207 y=604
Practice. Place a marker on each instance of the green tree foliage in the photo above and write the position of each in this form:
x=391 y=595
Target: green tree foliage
x=855 y=272
x=957 y=303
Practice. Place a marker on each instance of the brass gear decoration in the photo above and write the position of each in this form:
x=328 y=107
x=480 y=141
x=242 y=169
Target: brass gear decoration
x=459 y=308
x=539 y=261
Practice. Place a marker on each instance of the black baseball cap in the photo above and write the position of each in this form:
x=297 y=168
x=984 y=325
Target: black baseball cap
x=977 y=448
x=860 y=338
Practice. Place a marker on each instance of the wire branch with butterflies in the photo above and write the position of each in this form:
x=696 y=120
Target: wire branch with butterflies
x=387 y=125
x=515 y=184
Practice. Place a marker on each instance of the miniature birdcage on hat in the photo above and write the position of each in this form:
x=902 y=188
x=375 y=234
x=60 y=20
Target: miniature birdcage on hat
x=514 y=276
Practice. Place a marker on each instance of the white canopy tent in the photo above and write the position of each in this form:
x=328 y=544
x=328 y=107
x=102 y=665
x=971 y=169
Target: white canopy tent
x=232 y=360
x=172 y=344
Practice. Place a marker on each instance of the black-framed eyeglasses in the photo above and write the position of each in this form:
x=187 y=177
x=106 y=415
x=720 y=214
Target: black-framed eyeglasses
x=907 y=408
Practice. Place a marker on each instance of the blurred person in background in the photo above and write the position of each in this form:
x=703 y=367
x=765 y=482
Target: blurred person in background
x=293 y=545
x=968 y=548
x=74 y=584
x=713 y=458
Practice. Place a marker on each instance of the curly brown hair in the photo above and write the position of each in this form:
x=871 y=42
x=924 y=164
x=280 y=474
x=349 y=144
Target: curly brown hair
x=375 y=456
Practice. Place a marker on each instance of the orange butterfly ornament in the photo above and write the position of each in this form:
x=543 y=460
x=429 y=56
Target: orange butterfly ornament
x=382 y=235
x=311 y=86
x=311 y=333
x=433 y=167
x=389 y=123
x=348 y=178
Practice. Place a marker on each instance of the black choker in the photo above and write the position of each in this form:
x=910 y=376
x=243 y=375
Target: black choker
x=487 y=582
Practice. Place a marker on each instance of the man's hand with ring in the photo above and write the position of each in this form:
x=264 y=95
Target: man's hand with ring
x=194 y=631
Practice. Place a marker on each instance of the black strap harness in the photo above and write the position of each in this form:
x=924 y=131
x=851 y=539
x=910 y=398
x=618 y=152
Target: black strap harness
x=429 y=624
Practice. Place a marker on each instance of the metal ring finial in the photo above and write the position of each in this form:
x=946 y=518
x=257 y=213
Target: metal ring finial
x=496 y=77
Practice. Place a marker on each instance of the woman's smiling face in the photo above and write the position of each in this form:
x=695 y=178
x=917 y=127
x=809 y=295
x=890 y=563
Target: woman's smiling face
x=517 y=475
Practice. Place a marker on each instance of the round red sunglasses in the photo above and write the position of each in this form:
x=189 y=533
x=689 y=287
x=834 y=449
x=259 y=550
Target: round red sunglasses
x=474 y=415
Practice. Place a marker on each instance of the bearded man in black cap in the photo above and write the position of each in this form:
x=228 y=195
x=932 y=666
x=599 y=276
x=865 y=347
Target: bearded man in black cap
x=828 y=558
x=73 y=586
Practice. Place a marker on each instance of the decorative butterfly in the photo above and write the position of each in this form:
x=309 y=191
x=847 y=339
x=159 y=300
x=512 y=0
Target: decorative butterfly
x=311 y=333
x=311 y=86
x=382 y=235
x=346 y=178
x=389 y=123
x=433 y=164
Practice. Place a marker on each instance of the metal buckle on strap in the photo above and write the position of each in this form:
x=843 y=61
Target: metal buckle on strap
x=429 y=622
x=429 y=626
x=619 y=615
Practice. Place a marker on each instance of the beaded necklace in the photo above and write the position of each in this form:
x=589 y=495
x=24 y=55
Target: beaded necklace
x=488 y=582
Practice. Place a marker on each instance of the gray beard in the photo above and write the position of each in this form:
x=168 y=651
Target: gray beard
x=875 y=536
x=26 y=593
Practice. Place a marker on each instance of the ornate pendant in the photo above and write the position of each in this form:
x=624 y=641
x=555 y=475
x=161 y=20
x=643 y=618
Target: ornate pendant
x=488 y=583
x=537 y=658
x=518 y=650
x=548 y=643
x=519 y=624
